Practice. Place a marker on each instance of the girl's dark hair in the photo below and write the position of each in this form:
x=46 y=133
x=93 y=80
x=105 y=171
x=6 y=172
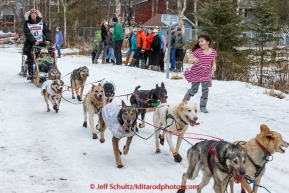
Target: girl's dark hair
x=207 y=37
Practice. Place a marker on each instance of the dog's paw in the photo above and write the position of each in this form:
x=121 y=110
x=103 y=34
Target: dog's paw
x=177 y=157
x=140 y=125
x=48 y=110
x=84 y=124
x=55 y=107
x=162 y=139
x=94 y=136
x=56 y=110
x=119 y=152
x=78 y=98
x=158 y=151
x=102 y=140
x=120 y=166
x=181 y=191
x=136 y=129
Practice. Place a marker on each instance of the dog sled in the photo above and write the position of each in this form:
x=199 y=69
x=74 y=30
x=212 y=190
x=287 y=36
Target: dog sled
x=45 y=72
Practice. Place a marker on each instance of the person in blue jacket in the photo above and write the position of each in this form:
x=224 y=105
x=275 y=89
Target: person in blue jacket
x=58 y=41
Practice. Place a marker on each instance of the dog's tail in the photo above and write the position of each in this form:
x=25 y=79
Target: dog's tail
x=136 y=88
x=194 y=162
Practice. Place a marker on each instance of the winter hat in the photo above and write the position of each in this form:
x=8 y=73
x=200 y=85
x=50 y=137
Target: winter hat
x=155 y=31
x=114 y=19
x=130 y=27
x=134 y=30
x=33 y=11
x=179 y=29
x=44 y=50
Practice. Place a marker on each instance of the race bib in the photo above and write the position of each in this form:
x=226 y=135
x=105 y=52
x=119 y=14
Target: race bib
x=36 y=30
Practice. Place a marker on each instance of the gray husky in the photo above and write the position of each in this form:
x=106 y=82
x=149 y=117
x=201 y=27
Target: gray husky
x=218 y=159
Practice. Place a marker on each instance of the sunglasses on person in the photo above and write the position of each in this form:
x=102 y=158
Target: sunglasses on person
x=44 y=53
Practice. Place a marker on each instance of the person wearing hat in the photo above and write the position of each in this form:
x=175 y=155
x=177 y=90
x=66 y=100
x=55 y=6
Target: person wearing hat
x=102 y=45
x=45 y=61
x=173 y=49
x=180 y=43
x=141 y=47
x=155 y=54
x=35 y=30
x=129 y=43
x=117 y=38
x=163 y=48
x=110 y=55
x=58 y=41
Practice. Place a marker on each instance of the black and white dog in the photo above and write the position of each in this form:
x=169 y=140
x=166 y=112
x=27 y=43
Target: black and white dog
x=148 y=99
x=109 y=89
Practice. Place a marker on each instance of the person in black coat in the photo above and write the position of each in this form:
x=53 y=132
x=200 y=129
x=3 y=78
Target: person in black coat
x=35 y=30
x=102 y=46
x=155 y=54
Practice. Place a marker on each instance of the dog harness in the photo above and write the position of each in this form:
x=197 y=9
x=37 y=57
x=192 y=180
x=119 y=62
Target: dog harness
x=212 y=151
x=47 y=86
x=169 y=116
x=258 y=168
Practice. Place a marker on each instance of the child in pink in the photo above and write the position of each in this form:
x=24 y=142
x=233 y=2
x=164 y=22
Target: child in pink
x=203 y=58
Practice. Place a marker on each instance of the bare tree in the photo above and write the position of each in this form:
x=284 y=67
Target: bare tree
x=196 y=19
x=167 y=6
x=118 y=9
x=157 y=5
x=182 y=5
x=153 y=8
x=64 y=17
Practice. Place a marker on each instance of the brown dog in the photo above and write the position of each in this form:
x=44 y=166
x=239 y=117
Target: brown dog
x=52 y=90
x=77 y=81
x=121 y=121
x=258 y=150
x=93 y=102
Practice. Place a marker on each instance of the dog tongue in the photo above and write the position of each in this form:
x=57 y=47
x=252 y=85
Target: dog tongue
x=238 y=178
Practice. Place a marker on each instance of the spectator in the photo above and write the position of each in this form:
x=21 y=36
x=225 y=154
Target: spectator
x=155 y=51
x=58 y=41
x=163 y=48
x=129 y=43
x=149 y=40
x=117 y=39
x=204 y=59
x=141 y=46
x=173 y=49
x=102 y=45
x=180 y=42
x=110 y=47
x=94 y=51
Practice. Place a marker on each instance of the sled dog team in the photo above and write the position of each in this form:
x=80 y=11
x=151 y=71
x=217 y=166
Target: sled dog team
x=223 y=161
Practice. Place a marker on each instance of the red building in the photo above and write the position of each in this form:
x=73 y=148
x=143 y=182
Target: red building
x=143 y=11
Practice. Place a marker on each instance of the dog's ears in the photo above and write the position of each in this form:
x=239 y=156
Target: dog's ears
x=61 y=82
x=184 y=101
x=123 y=104
x=265 y=129
x=157 y=86
x=99 y=85
x=163 y=85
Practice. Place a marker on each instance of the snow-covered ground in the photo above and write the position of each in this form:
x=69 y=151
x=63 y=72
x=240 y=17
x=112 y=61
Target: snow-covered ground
x=52 y=152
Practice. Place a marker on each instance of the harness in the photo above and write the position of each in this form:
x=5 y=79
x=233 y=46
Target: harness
x=212 y=151
x=146 y=101
x=77 y=75
x=258 y=168
x=170 y=116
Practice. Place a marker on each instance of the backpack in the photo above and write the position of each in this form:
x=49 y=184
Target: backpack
x=98 y=36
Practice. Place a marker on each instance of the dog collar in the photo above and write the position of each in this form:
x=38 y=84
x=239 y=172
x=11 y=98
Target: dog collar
x=263 y=148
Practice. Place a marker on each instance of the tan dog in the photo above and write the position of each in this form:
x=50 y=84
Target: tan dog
x=54 y=74
x=258 y=150
x=175 y=118
x=121 y=121
x=77 y=81
x=92 y=104
x=52 y=90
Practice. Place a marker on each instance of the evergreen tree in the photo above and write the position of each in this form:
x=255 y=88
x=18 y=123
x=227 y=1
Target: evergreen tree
x=222 y=22
x=265 y=26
